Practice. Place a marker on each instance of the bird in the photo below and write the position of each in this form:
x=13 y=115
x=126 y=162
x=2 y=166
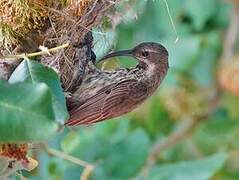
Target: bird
x=105 y=94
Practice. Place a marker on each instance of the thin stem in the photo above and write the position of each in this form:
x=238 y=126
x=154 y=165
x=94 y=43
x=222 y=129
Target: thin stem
x=173 y=139
x=67 y=157
x=87 y=172
x=88 y=168
x=171 y=21
x=180 y=135
x=39 y=53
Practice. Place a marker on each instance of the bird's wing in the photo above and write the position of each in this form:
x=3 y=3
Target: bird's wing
x=108 y=102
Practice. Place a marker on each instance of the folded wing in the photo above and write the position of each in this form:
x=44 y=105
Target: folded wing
x=111 y=101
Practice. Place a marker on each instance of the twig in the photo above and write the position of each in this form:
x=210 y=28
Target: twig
x=173 y=139
x=178 y=136
x=19 y=56
x=65 y=156
x=88 y=168
x=65 y=15
x=87 y=172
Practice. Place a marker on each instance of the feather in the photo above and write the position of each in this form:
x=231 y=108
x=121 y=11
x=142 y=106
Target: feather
x=109 y=102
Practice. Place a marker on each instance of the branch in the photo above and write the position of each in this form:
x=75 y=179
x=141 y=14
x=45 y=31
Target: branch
x=39 y=53
x=179 y=135
x=88 y=168
x=185 y=132
x=65 y=156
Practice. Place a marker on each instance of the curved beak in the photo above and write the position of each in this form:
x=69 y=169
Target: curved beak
x=117 y=53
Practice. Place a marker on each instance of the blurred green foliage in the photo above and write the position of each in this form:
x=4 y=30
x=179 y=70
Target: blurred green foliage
x=119 y=148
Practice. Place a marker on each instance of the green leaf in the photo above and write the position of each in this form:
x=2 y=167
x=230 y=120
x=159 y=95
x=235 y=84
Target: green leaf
x=70 y=142
x=220 y=131
x=180 y=57
x=208 y=54
x=197 y=170
x=26 y=112
x=113 y=147
x=201 y=11
x=103 y=42
x=33 y=72
x=133 y=149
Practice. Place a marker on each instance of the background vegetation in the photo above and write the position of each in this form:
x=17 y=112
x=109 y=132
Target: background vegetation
x=189 y=128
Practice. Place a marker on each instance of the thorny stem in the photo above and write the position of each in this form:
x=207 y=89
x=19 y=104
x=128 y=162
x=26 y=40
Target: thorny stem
x=19 y=56
x=88 y=167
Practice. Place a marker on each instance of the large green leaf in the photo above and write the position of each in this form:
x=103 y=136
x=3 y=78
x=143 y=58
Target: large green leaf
x=112 y=147
x=26 y=112
x=197 y=170
x=33 y=72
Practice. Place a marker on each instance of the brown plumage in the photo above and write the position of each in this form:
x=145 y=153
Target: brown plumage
x=106 y=94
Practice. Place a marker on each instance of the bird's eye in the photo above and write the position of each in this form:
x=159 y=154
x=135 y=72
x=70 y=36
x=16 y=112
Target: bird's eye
x=145 y=53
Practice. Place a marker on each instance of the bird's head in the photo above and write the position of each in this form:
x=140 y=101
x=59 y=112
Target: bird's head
x=147 y=52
